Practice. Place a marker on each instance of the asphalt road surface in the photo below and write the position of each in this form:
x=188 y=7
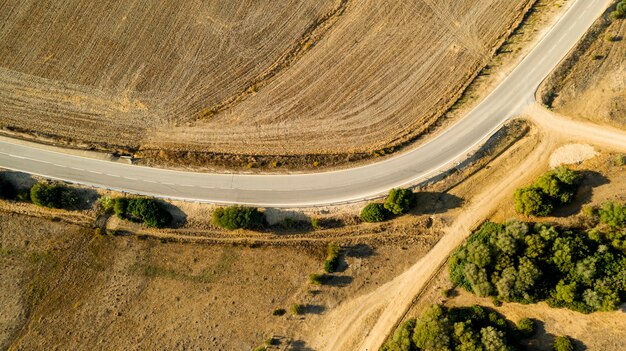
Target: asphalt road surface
x=509 y=99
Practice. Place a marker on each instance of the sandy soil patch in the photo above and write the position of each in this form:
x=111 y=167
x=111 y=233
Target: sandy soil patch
x=591 y=83
x=570 y=154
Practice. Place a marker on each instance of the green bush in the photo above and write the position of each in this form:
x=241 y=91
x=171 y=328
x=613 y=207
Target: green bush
x=317 y=279
x=613 y=214
x=53 y=196
x=332 y=258
x=7 y=189
x=555 y=188
x=526 y=327
x=620 y=10
x=563 y=343
x=142 y=209
x=531 y=201
x=120 y=206
x=620 y=160
x=400 y=201
x=296 y=309
x=238 y=217
x=279 y=312
x=374 y=212
x=106 y=204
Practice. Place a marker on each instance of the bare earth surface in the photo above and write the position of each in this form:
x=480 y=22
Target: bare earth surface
x=66 y=286
x=595 y=87
x=364 y=322
x=282 y=78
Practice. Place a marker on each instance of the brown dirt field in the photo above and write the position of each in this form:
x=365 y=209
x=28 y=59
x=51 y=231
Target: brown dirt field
x=68 y=288
x=591 y=84
x=278 y=76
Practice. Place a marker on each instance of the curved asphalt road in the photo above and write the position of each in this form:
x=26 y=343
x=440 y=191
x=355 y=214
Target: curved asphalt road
x=509 y=99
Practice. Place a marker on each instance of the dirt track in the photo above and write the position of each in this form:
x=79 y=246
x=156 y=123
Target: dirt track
x=364 y=322
x=293 y=77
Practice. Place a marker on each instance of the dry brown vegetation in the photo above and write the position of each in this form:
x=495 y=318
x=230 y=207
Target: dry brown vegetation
x=68 y=287
x=591 y=84
x=270 y=78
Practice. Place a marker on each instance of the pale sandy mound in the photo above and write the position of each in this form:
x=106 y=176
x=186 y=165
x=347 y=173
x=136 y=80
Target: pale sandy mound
x=571 y=153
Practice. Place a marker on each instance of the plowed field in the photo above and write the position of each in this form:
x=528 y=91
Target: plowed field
x=242 y=77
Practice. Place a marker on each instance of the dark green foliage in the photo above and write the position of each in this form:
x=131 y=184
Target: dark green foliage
x=613 y=214
x=238 y=217
x=142 y=209
x=374 y=212
x=620 y=10
x=526 y=327
x=402 y=339
x=563 y=343
x=551 y=190
x=120 y=207
x=531 y=201
x=332 y=258
x=53 y=196
x=458 y=328
x=7 y=189
x=317 y=279
x=521 y=264
x=296 y=309
x=400 y=201
x=279 y=312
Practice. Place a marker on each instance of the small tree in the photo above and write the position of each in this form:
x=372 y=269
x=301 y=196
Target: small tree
x=531 y=201
x=121 y=203
x=332 y=258
x=296 y=309
x=46 y=195
x=317 y=279
x=374 y=212
x=238 y=217
x=563 y=343
x=400 y=201
x=526 y=327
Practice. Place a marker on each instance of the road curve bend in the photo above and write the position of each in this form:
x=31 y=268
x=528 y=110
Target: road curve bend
x=509 y=99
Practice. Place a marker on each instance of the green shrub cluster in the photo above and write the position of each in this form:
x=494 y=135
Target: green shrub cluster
x=456 y=328
x=238 y=217
x=317 y=279
x=521 y=263
x=398 y=202
x=53 y=196
x=612 y=221
x=142 y=209
x=563 y=343
x=551 y=190
x=620 y=10
x=374 y=212
x=296 y=309
x=332 y=258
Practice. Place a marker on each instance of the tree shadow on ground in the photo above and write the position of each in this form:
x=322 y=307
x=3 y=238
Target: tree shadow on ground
x=86 y=198
x=436 y=203
x=589 y=181
x=338 y=280
x=20 y=181
x=359 y=251
x=313 y=309
x=298 y=345
x=179 y=218
x=542 y=340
